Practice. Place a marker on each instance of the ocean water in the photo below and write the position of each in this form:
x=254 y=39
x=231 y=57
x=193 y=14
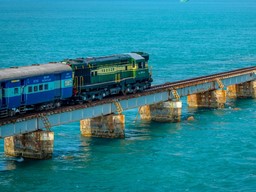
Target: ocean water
x=216 y=152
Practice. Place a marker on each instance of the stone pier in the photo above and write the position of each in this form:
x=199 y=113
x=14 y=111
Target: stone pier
x=169 y=111
x=34 y=145
x=244 y=90
x=108 y=126
x=209 y=99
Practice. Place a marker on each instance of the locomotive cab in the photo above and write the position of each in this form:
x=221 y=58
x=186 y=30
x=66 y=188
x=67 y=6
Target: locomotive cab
x=144 y=55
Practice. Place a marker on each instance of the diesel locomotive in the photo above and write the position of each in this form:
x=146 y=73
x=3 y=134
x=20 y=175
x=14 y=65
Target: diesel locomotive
x=47 y=86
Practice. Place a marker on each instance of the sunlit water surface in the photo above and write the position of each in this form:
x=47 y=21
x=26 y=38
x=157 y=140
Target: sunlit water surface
x=215 y=152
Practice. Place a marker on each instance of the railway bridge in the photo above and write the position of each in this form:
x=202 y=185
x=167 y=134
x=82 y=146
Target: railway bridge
x=29 y=135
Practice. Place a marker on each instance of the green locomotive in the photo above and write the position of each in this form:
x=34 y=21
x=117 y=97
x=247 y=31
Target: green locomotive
x=98 y=77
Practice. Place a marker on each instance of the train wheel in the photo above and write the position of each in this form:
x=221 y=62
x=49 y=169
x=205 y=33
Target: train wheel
x=57 y=104
x=11 y=113
x=100 y=97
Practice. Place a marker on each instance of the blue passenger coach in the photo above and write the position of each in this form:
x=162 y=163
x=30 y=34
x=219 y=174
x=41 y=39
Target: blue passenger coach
x=40 y=86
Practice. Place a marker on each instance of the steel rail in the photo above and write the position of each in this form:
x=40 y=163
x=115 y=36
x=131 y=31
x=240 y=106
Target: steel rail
x=205 y=78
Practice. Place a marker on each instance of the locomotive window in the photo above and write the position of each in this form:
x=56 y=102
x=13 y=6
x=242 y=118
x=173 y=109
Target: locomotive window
x=143 y=65
x=35 y=88
x=40 y=87
x=3 y=93
x=91 y=73
x=126 y=68
x=133 y=64
x=46 y=87
x=140 y=65
x=29 y=89
x=96 y=73
x=16 y=91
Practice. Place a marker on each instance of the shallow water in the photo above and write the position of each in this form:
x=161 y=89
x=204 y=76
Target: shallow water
x=216 y=152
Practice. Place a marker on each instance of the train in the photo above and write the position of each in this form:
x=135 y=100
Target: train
x=47 y=86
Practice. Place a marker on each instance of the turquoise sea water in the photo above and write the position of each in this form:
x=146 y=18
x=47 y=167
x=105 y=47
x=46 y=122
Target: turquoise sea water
x=216 y=152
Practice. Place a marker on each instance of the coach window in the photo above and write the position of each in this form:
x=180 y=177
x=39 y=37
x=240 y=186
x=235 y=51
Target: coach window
x=40 y=87
x=16 y=91
x=96 y=73
x=46 y=87
x=91 y=73
x=126 y=68
x=35 y=88
x=29 y=89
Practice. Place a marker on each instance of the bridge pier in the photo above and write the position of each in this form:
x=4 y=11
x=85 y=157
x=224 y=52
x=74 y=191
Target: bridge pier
x=34 y=145
x=243 y=90
x=169 y=111
x=209 y=99
x=108 y=126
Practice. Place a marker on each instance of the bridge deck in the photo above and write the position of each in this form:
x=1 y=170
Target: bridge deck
x=159 y=93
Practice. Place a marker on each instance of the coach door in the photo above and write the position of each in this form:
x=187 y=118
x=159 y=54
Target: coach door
x=22 y=92
x=118 y=77
x=57 y=86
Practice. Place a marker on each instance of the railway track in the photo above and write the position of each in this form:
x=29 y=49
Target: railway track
x=153 y=89
x=204 y=78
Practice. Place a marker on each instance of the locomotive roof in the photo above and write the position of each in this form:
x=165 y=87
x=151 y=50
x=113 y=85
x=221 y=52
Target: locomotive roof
x=105 y=59
x=135 y=56
x=32 y=70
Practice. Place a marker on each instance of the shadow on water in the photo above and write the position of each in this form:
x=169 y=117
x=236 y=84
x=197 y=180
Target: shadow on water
x=243 y=103
x=7 y=165
x=134 y=133
x=147 y=130
x=11 y=163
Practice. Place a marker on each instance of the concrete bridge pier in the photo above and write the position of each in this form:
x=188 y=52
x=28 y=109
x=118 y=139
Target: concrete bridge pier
x=209 y=99
x=169 y=111
x=33 y=145
x=243 y=90
x=108 y=126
